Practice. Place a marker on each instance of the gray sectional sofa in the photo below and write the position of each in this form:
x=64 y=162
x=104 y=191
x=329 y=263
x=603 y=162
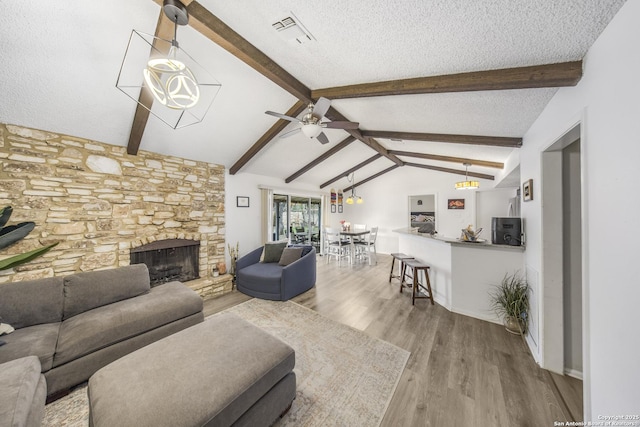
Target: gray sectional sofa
x=273 y=280
x=23 y=390
x=79 y=323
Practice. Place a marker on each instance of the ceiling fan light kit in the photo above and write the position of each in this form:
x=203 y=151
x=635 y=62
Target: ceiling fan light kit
x=312 y=130
x=182 y=90
x=311 y=124
x=466 y=184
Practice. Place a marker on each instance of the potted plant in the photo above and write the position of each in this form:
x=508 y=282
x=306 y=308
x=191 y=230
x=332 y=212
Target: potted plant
x=510 y=300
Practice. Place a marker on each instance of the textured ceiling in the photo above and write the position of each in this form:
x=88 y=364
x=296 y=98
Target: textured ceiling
x=60 y=62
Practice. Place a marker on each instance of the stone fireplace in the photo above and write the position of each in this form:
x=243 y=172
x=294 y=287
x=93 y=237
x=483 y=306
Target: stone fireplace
x=169 y=260
x=100 y=204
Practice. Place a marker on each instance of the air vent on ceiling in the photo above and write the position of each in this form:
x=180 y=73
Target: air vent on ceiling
x=291 y=29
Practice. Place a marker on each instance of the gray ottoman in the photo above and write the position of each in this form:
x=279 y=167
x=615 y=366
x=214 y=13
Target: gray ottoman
x=224 y=371
x=23 y=391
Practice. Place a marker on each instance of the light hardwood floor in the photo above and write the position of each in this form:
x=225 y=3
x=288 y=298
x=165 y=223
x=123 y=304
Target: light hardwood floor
x=461 y=372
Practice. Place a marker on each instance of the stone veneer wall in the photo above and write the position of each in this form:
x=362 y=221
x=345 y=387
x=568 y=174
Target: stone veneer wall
x=99 y=202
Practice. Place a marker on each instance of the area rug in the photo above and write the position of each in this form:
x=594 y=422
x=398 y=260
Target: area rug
x=344 y=376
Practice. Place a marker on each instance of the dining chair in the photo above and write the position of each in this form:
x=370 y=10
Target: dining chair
x=335 y=246
x=358 y=227
x=365 y=248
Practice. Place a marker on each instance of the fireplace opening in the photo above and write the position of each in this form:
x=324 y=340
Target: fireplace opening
x=169 y=260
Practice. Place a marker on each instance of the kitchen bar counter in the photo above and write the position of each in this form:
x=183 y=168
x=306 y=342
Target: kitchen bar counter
x=483 y=244
x=462 y=273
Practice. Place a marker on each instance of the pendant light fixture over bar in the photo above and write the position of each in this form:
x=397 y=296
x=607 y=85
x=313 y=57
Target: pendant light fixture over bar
x=466 y=184
x=182 y=90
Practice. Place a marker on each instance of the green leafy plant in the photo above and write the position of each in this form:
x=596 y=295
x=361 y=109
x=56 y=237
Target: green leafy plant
x=510 y=300
x=14 y=233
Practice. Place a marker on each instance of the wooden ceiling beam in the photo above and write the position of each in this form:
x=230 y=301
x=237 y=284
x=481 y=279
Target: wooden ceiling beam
x=334 y=115
x=353 y=169
x=372 y=177
x=454 y=171
x=497 y=141
x=164 y=30
x=450 y=159
x=536 y=76
x=221 y=34
x=342 y=144
x=297 y=108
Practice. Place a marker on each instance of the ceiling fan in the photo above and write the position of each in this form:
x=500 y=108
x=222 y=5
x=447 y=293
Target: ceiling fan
x=311 y=122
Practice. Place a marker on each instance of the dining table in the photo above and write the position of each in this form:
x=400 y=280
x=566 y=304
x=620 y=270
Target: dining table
x=352 y=234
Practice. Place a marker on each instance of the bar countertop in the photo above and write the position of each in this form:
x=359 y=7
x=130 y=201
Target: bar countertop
x=482 y=243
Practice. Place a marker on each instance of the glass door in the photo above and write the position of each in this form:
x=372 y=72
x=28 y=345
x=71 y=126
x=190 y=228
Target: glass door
x=297 y=218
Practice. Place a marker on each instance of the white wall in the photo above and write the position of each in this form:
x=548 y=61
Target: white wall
x=607 y=100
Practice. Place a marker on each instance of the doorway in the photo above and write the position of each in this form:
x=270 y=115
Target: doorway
x=562 y=266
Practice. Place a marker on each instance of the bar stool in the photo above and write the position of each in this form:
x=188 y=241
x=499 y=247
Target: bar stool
x=416 y=267
x=401 y=258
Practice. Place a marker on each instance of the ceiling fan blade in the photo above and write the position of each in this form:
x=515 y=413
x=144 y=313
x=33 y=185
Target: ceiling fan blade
x=282 y=116
x=291 y=132
x=321 y=107
x=340 y=125
x=322 y=138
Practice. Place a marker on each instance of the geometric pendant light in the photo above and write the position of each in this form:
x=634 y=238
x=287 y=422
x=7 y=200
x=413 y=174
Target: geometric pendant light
x=165 y=79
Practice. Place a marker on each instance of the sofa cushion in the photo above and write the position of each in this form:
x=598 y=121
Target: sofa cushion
x=290 y=255
x=110 y=324
x=37 y=340
x=86 y=291
x=20 y=380
x=32 y=302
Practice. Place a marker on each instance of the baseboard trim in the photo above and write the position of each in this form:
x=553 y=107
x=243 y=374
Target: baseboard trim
x=573 y=373
x=475 y=315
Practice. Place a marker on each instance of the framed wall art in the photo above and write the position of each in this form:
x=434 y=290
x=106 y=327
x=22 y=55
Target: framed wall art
x=242 y=201
x=527 y=190
x=455 y=204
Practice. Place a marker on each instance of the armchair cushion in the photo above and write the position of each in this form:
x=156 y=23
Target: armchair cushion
x=290 y=255
x=273 y=251
x=305 y=249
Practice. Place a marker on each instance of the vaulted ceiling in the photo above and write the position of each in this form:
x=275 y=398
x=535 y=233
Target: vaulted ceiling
x=433 y=84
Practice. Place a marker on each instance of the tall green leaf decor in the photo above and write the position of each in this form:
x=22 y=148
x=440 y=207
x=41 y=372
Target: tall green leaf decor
x=14 y=233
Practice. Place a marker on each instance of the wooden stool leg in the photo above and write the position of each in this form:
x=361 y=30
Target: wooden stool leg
x=393 y=261
x=415 y=286
x=403 y=267
x=426 y=273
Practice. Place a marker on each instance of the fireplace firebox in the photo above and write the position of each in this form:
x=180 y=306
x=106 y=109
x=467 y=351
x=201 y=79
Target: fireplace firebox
x=168 y=260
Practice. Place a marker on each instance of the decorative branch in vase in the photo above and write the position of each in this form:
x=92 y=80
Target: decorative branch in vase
x=233 y=255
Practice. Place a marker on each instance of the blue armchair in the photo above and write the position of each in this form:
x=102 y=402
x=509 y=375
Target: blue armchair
x=272 y=281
